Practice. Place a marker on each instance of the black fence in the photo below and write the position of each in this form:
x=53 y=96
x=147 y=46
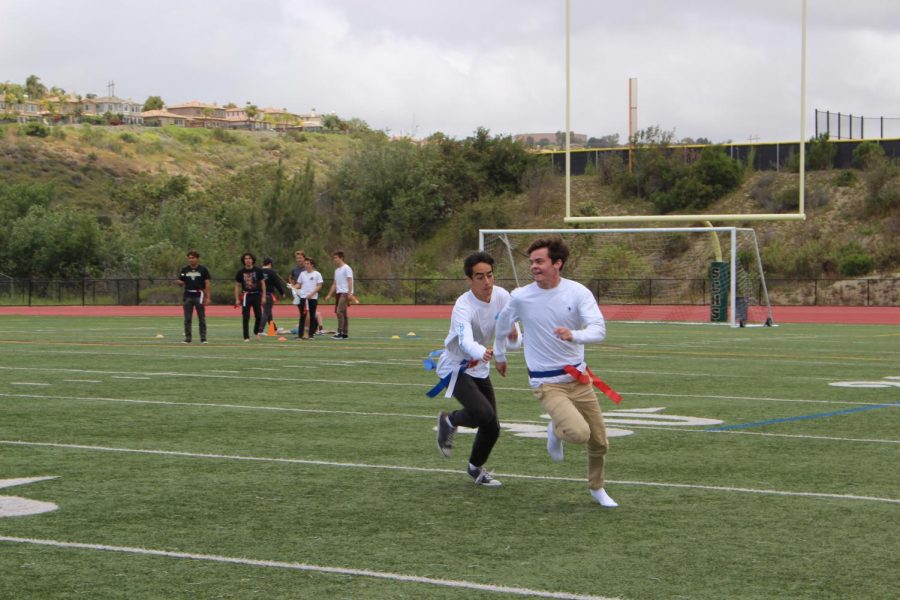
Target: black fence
x=760 y=156
x=427 y=291
x=840 y=126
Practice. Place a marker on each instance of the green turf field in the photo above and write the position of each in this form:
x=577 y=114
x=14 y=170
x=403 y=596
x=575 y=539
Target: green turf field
x=309 y=469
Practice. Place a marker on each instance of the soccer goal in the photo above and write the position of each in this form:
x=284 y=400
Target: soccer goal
x=688 y=274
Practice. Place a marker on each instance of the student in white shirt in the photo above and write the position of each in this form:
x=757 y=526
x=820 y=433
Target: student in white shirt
x=560 y=316
x=464 y=366
x=310 y=282
x=342 y=290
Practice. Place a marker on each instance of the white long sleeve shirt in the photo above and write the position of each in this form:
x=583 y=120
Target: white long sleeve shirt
x=472 y=329
x=541 y=311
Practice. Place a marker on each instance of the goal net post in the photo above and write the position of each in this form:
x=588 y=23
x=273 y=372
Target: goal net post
x=684 y=274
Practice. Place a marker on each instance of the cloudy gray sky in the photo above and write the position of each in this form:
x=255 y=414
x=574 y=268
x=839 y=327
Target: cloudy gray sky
x=725 y=70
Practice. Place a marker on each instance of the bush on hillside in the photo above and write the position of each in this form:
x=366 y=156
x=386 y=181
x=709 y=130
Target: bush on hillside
x=881 y=185
x=854 y=261
x=821 y=153
x=671 y=181
x=35 y=129
x=867 y=154
x=845 y=178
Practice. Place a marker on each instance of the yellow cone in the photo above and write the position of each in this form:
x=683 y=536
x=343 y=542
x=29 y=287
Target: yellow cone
x=411 y=334
x=159 y=336
x=395 y=337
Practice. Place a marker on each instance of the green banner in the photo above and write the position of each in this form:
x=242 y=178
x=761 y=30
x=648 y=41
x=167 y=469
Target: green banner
x=720 y=285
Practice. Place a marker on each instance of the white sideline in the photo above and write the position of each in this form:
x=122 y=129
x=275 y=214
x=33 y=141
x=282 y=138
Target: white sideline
x=429 y=416
x=484 y=587
x=326 y=463
x=429 y=384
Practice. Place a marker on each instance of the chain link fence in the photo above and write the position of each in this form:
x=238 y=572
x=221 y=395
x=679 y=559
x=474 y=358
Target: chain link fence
x=430 y=291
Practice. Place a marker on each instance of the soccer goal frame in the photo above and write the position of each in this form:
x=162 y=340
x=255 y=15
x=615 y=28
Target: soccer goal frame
x=736 y=313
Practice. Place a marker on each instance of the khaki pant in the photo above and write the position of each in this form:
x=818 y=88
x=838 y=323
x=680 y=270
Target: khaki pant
x=577 y=419
x=341 y=302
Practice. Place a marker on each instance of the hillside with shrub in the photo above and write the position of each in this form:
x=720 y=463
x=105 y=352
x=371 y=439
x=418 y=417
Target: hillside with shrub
x=93 y=201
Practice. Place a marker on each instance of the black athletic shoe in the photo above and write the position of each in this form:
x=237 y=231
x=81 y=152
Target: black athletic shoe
x=203 y=342
x=445 y=435
x=482 y=477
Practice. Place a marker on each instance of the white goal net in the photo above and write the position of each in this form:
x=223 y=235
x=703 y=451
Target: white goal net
x=689 y=274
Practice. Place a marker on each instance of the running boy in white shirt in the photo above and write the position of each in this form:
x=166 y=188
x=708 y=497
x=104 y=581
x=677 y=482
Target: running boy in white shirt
x=560 y=316
x=464 y=366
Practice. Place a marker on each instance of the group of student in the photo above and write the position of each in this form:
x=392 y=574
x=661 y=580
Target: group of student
x=254 y=291
x=559 y=316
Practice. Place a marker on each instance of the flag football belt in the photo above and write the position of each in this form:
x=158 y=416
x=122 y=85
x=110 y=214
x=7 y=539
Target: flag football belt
x=586 y=378
x=448 y=381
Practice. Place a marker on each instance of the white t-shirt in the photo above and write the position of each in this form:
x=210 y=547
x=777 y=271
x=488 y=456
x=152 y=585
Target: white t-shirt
x=471 y=330
x=569 y=305
x=308 y=283
x=342 y=277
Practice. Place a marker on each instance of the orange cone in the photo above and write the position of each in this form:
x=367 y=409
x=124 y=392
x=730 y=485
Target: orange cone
x=272 y=328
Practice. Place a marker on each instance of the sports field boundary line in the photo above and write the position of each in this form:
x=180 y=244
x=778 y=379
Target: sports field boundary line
x=610 y=414
x=325 y=463
x=296 y=566
x=834 y=413
x=426 y=385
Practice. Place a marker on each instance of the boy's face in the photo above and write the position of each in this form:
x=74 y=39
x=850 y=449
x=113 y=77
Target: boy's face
x=544 y=271
x=193 y=260
x=482 y=281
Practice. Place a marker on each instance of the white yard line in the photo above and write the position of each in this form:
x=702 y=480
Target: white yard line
x=295 y=566
x=325 y=463
x=610 y=419
x=226 y=375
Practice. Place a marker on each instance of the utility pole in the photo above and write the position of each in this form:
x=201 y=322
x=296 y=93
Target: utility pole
x=632 y=116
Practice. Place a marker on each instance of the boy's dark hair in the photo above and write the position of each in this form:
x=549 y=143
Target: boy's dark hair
x=339 y=254
x=193 y=253
x=311 y=261
x=245 y=255
x=266 y=261
x=475 y=258
x=556 y=249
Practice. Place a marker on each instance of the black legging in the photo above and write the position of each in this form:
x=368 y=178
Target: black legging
x=479 y=410
x=307 y=307
x=252 y=301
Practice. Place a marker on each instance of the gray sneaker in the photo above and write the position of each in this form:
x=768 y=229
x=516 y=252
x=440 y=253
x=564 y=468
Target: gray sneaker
x=482 y=477
x=554 y=444
x=445 y=435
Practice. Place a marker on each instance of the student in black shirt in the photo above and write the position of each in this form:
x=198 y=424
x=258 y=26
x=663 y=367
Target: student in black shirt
x=273 y=284
x=194 y=278
x=249 y=289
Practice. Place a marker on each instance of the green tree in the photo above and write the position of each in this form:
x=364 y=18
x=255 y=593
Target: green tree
x=153 y=103
x=607 y=141
x=56 y=243
x=34 y=88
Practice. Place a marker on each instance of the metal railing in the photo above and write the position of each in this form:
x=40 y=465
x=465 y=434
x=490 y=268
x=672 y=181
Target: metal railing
x=425 y=291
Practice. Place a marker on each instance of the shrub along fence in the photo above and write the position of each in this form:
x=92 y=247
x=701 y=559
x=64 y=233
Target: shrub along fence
x=425 y=291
